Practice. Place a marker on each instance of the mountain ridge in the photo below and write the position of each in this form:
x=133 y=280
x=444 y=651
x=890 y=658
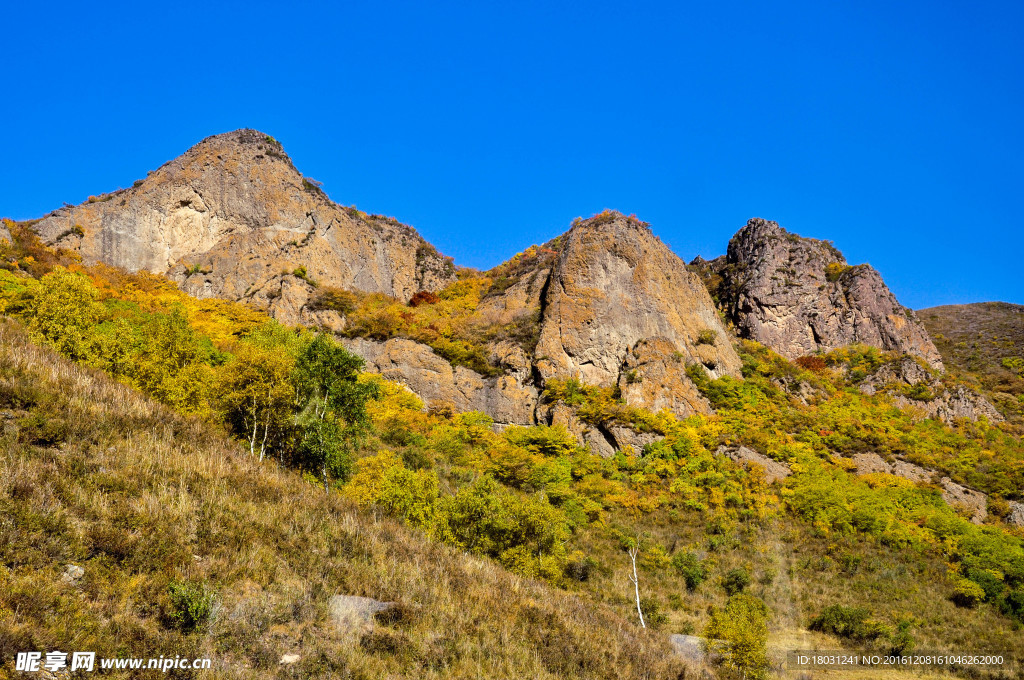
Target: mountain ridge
x=607 y=301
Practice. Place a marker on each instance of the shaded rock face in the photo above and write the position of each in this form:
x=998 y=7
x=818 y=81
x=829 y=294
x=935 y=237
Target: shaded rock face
x=942 y=403
x=614 y=284
x=798 y=296
x=233 y=218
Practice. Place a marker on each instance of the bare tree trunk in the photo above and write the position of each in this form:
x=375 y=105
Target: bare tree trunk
x=633 y=552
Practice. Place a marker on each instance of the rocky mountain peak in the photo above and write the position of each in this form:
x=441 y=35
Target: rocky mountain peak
x=798 y=296
x=619 y=303
x=233 y=218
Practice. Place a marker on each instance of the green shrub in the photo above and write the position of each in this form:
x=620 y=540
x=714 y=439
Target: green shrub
x=706 y=337
x=735 y=581
x=690 y=567
x=653 y=615
x=967 y=593
x=853 y=623
x=191 y=604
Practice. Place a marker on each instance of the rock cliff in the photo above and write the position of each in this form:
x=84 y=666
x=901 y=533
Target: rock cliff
x=620 y=306
x=233 y=218
x=798 y=296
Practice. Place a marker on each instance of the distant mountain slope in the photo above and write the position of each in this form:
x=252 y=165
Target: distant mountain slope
x=983 y=343
x=233 y=218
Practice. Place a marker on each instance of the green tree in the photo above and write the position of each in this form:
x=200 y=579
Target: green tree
x=331 y=405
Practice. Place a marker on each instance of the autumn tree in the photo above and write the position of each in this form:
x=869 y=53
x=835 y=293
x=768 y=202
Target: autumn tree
x=740 y=633
x=256 y=395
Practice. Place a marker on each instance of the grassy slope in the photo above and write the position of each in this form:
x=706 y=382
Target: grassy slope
x=973 y=340
x=94 y=474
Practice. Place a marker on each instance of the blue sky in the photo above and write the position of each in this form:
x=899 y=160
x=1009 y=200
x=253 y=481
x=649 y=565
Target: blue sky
x=893 y=129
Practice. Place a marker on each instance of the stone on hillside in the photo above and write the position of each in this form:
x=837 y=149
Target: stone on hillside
x=1016 y=515
x=774 y=471
x=72 y=574
x=690 y=647
x=586 y=434
x=289 y=659
x=653 y=375
x=627 y=436
x=798 y=296
x=940 y=403
x=975 y=503
x=436 y=381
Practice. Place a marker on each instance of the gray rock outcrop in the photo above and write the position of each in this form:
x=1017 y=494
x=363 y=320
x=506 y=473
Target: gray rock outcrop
x=774 y=471
x=799 y=296
x=931 y=397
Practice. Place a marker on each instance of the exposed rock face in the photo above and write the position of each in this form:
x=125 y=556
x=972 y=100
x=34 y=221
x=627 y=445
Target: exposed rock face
x=798 y=295
x=654 y=375
x=936 y=401
x=5 y=233
x=233 y=218
x=614 y=285
x=438 y=383
x=774 y=471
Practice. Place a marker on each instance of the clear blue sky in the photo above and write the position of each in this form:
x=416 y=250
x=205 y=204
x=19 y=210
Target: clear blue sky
x=894 y=129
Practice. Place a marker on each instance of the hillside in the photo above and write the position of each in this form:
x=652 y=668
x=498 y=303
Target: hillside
x=96 y=475
x=901 y=560
x=983 y=344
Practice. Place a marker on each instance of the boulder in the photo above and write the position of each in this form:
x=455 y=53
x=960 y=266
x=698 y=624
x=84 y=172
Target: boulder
x=690 y=647
x=72 y=574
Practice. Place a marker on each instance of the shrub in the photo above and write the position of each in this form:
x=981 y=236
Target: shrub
x=690 y=567
x=834 y=270
x=735 y=581
x=384 y=481
x=853 y=623
x=742 y=628
x=812 y=363
x=341 y=301
x=191 y=604
x=967 y=593
x=423 y=297
x=651 y=608
x=706 y=337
